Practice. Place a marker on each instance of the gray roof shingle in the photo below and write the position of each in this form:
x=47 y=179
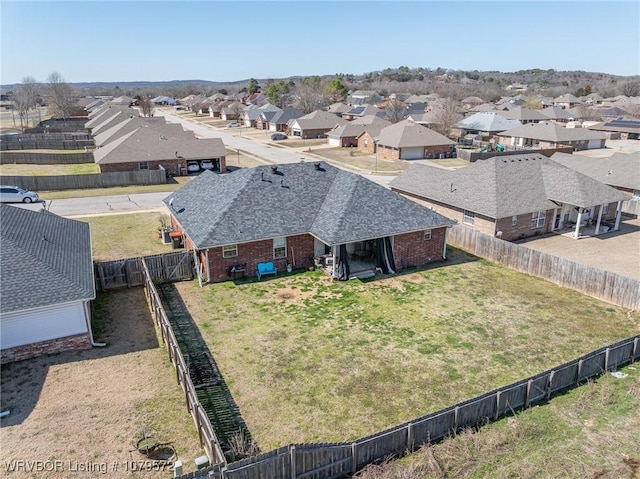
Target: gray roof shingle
x=255 y=204
x=505 y=186
x=551 y=131
x=619 y=170
x=44 y=260
x=407 y=134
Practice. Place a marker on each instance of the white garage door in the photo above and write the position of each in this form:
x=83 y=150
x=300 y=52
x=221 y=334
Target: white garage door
x=334 y=141
x=52 y=322
x=412 y=153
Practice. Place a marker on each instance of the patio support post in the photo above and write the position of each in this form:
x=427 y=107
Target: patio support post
x=444 y=248
x=576 y=234
x=599 y=219
x=561 y=224
x=618 y=214
x=553 y=221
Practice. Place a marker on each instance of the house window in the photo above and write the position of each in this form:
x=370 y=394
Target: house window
x=468 y=217
x=230 y=251
x=427 y=235
x=514 y=220
x=280 y=247
x=605 y=209
x=537 y=219
x=143 y=165
x=366 y=142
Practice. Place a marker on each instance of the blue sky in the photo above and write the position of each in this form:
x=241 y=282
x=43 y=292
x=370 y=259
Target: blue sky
x=119 y=41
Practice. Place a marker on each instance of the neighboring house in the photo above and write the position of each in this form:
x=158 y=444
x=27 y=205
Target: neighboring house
x=315 y=125
x=425 y=119
x=296 y=214
x=485 y=123
x=110 y=119
x=515 y=197
x=557 y=114
x=338 y=108
x=232 y=111
x=130 y=124
x=620 y=171
x=159 y=147
x=46 y=284
x=262 y=123
x=282 y=118
x=163 y=100
x=551 y=135
x=252 y=113
x=347 y=135
x=360 y=111
x=523 y=115
x=619 y=129
x=360 y=97
x=566 y=101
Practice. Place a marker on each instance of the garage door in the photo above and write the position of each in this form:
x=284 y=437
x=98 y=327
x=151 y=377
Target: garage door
x=412 y=153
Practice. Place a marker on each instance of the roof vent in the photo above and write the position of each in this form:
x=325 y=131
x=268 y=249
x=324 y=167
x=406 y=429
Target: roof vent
x=318 y=166
x=282 y=185
x=274 y=170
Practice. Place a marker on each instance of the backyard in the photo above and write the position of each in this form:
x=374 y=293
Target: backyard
x=311 y=360
x=88 y=407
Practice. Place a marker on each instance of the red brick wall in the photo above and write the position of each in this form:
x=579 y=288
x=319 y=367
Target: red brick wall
x=78 y=341
x=411 y=249
x=523 y=228
x=370 y=148
x=261 y=252
x=170 y=165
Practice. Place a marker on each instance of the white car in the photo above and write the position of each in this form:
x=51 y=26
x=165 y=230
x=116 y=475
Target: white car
x=15 y=194
x=206 y=165
x=193 y=166
x=233 y=124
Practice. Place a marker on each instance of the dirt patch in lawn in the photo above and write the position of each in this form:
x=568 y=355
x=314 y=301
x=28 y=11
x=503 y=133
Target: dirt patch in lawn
x=84 y=408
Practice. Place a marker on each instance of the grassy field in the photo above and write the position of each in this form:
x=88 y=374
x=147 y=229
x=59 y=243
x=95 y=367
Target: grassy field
x=361 y=160
x=588 y=432
x=309 y=360
x=126 y=235
x=176 y=182
x=50 y=170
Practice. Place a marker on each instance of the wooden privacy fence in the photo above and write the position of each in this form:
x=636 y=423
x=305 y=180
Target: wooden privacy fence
x=335 y=460
x=97 y=180
x=611 y=287
x=47 y=141
x=208 y=439
x=130 y=272
x=37 y=158
x=472 y=156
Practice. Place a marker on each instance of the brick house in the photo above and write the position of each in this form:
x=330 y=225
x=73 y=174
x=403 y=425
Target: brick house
x=315 y=125
x=549 y=134
x=53 y=316
x=347 y=135
x=303 y=214
x=514 y=197
x=407 y=140
x=152 y=147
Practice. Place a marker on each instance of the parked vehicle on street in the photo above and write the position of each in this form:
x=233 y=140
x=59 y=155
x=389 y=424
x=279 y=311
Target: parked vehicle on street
x=193 y=166
x=15 y=194
x=206 y=165
x=279 y=136
x=233 y=124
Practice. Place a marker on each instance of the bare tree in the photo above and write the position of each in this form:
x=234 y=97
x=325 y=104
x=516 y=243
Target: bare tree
x=26 y=98
x=395 y=110
x=145 y=104
x=447 y=114
x=630 y=89
x=62 y=103
x=310 y=95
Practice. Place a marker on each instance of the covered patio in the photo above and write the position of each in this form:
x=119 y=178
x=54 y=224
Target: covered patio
x=585 y=221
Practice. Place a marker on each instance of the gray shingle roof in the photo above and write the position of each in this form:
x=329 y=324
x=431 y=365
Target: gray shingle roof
x=505 y=186
x=333 y=205
x=551 y=131
x=160 y=142
x=126 y=126
x=523 y=114
x=44 y=260
x=282 y=117
x=489 y=121
x=319 y=119
x=556 y=113
x=621 y=170
x=407 y=134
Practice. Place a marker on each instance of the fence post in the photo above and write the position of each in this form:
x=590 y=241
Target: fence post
x=498 y=394
x=606 y=359
x=354 y=458
x=634 y=353
x=292 y=452
x=410 y=437
x=455 y=419
x=549 y=383
x=526 y=401
x=579 y=371
x=101 y=275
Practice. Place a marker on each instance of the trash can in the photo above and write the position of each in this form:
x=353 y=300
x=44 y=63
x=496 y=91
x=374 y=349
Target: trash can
x=166 y=239
x=176 y=240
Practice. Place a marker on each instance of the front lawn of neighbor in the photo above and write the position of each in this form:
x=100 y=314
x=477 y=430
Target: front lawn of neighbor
x=311 y=360
x=49 y=170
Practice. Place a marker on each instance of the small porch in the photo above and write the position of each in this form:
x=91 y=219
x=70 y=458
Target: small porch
x=580 y=222
x=357 y=259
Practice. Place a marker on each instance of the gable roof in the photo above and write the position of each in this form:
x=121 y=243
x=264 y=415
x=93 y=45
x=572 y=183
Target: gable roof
x=556 y=113
x=283 y=116
x=127 y=125
x=551 y=131
x=489 y=121
x=506 y=186
x=319 y=119
x=618 y=170
x=54 y=250
x=523 y=114
x=407 y=134
x=162 y=142
x=255 y=204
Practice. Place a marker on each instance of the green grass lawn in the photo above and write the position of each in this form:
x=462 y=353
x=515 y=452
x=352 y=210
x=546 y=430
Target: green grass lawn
x=125 y=235
x=50 y=170
x=310 y=360
x=176 y=182
x=590 y=431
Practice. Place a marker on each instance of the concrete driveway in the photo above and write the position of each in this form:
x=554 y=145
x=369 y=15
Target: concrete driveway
x=618 y=252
